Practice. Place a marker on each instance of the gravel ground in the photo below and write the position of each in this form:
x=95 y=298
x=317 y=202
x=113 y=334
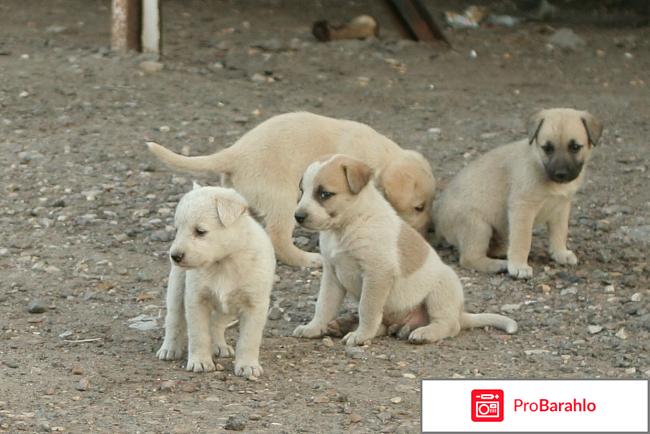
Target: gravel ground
x=86 y=212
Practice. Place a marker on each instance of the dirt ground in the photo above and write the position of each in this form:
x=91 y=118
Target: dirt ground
x=85 y=211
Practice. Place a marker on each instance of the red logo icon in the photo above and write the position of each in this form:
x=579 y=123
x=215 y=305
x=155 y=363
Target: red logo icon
x=487 y=405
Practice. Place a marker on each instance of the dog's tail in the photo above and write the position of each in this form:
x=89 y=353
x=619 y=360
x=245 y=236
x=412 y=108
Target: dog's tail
x=469 y=320
x=220 y=162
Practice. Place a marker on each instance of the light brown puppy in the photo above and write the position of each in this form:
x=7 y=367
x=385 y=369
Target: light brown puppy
x=491 y=206
x=370 y=253
x=266 y=163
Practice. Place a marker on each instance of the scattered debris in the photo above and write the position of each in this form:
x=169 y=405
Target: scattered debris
x=361 y=27
x=143 y=322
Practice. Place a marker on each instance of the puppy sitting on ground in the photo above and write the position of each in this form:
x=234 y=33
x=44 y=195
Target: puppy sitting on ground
x=266 y=164
x=489 y=209
x=368 y=251
x=222 y=269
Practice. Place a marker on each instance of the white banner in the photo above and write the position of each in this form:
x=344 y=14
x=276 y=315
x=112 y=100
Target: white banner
x=535 y=405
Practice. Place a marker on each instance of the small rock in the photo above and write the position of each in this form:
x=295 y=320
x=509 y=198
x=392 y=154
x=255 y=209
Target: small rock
x=83 y=385
x=189 y=387
x=610 y=289
x=275 y=313
x=535 y=352
x=302 y=241
x=636 y=297
x=59 y=203
x=258 y=78
x=396 y=400
x=36 y=306
x=621 y=334
x=150 y=66
x=630 y=371
x=328 y=342
x=322 y=399
x=510 y=307
x=593 y=329
x=77 y=370
x=354 y=352
x=161 y=235
x=4 y=251
x=572 y=290
x=355 y=418
x=168 y=386
x=235 y=422
x=567 y=39
x=408 y=375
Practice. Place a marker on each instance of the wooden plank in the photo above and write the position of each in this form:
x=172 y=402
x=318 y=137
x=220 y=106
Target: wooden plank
x=151 y=26
x=126 y=24
x=416 y=22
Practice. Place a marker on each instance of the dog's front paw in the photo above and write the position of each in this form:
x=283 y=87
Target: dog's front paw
x=248 y=370
x=223 y=351
x=356 y=338
x=565 y=257
x=170 y=351
x=200 y=364
x=520 y=271
x=309 y=331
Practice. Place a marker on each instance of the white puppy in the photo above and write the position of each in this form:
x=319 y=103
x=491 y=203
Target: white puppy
x=223 y=268
x=369 y=252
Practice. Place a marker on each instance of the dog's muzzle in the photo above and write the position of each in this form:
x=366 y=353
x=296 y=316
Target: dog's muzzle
x=177 y=257
x=300 y=216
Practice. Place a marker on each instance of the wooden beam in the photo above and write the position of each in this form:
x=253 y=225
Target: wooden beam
x=151 y=26
x=126 y=24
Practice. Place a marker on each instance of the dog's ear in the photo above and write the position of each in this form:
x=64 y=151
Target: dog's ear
x=593 y=126
x=533 y=126
x=195 y=185
x=229 y=210
x=397 y=184
x=357 y=174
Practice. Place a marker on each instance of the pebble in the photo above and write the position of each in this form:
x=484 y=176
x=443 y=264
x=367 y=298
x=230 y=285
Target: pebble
x=630 y=371
x=636 y=297
x=610 y=289
x=354 y=352
x=328 y=342
x=77 y=370
x=567 y=39
x=510 y=307
x=36 y=306
x=4 y=251
x=396 y=400
x=83 y=385
x=168 y=386
x=302 y=241
x=161 y=235
x=355 y=418
x=621 y=334
x=572 y=290
x=235 y=422
x=258 y=78
x=408 y=375
x=593 y=329
x=275 y=313
x=150 y=66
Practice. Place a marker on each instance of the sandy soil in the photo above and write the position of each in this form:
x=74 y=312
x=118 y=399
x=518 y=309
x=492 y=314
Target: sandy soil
x=86 y=212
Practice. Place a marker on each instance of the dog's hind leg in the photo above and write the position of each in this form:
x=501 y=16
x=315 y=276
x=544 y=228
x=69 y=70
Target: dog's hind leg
x=175 y=326
x=280 y=229
x=474 y=244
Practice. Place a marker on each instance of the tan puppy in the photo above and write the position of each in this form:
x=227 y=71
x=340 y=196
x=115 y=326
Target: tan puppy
x=491 y=206
x=266 y=163
x=223 y=268
x=369 y=252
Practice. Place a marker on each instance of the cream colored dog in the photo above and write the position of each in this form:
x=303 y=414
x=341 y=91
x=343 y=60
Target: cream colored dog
x=491 y=206
x=266 y=164
x=223 y=268
x=369 y=252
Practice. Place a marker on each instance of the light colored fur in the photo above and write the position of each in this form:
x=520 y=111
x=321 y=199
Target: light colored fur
x=491 y=206
x=225 y=274
x=266 y=163
x=403 y=289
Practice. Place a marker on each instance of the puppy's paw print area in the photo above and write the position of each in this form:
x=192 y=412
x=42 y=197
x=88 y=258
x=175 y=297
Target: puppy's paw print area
x=200 y=364
x=170 y=352
x=565 y=257
x=248 y=370
x=223 y=351
x=522 y=271
x=309 y=331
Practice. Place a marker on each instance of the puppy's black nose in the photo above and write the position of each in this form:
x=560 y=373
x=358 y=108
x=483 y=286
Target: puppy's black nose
x=300 y=216
x=177 y=256
x=561 y=175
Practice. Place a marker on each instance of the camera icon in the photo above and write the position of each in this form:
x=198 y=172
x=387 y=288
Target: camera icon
x=487 y=405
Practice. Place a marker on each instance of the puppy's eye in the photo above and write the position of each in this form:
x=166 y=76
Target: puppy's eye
x=420 y=208
x=548 y=148
x=574 y=147
x=199 y=232
x=324 y=195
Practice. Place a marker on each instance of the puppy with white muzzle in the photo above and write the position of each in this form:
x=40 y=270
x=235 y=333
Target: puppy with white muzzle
x=371 y=253
x=489 y=209
x=223 y=266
